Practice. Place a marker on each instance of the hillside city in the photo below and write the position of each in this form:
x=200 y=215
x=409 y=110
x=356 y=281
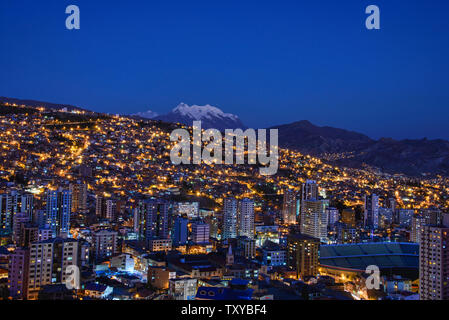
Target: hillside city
x=99 y=192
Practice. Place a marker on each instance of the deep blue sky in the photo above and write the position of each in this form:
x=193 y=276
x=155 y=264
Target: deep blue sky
x=270 y=62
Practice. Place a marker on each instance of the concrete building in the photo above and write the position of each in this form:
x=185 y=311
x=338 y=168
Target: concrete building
x=302 y=254
x=372 y=211
x=246 y=218
x=18 y=273
x=180 y=231
x=104 y=244
x=183 y=289
x=200 y=232
x=290 y=207
x=230 y=217
x=434 y=263
x=79 y=197
x=314 y=219
x=57 y=212
x=48 y=263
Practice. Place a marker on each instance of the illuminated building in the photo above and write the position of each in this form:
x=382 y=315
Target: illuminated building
x=418 y=223
x=156 y=245
x=79 y=197
x=58 y=209
x=273 y=255
x=151 y=219
x=372 y=211
x=200 y=232
x=183 y=289
x=434 y=263
x=19 y=220
x=290 y=207
x=333 y=216
x=348 y=217
x=100 y=206
x=191 y=209
x=18 y=273
x=48 y=263
x=111 y=210
x=159 y=277
x=12 y=203
x=246 y=247
x=302 y=254
x=246 y=218
x=314 y=219
x=104 y=244
x=309 y=191
x=180 y=231
x=230 y=219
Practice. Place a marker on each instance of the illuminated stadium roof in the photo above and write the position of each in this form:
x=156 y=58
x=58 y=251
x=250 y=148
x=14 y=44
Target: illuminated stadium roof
x=385 y=255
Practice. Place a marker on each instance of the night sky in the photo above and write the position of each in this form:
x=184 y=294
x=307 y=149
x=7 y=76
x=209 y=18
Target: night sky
x=270 y=62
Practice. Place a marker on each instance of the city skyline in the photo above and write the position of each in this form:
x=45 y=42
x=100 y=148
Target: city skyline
x=231 y=152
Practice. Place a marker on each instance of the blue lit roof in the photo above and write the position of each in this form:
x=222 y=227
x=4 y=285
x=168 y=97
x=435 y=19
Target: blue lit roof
x=359 y=256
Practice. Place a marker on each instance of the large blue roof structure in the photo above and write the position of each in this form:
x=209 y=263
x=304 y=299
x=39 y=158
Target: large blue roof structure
x=385 y=255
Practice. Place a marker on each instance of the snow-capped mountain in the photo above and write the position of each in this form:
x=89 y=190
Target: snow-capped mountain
x=210 y=116
x=147 y=114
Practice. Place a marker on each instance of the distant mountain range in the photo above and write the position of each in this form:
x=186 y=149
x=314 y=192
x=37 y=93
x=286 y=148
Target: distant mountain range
x=352 y=149
x=338 y=146
x=210 y=117
x=36 y=104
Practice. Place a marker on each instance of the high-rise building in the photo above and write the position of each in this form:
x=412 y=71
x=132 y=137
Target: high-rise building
x=200 y=232
x=104 y=244
x=246 y=218
x=18 y=273
x=433 y=216
x=333 y=216
x=214 y=226
x=418 y=223
x=29 y=233
x=348 y=217
x=391 y=204
x=57 y=213
x=372 y=211
x=100 y=206
x=405 y=217
x=309 y=191
x=12 y=203
x=230 y=216
x=151 y=219
x=314 y=219
x=246 y=247
x=180 y=231
x=302 y=254
x=19 y=220
x=79 y=197
x=434 y=263
x=111 y=210
x=48 y=263
x=290 y=207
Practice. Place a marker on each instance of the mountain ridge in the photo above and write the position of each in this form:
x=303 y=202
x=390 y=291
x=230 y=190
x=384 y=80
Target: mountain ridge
x=349 y=148
x=413 y=157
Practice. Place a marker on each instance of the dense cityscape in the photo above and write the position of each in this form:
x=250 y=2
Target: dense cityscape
x=99 y=192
